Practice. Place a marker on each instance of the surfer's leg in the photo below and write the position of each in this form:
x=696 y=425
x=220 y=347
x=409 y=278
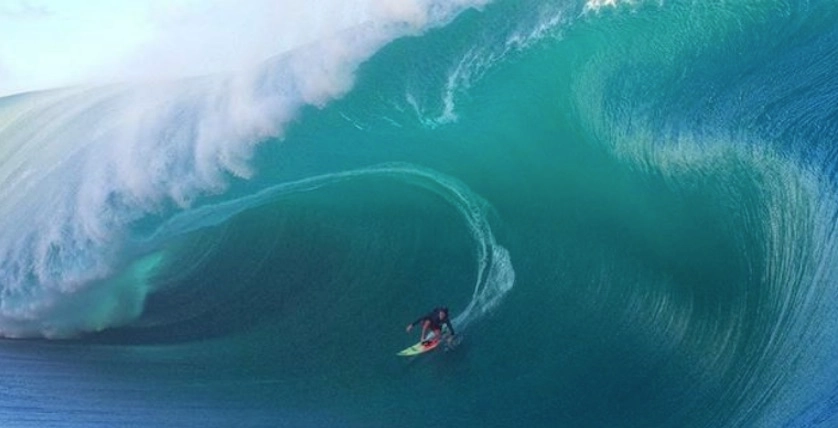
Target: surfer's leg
x=428 y=338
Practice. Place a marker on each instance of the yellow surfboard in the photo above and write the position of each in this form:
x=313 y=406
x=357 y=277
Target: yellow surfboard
x=420 y=347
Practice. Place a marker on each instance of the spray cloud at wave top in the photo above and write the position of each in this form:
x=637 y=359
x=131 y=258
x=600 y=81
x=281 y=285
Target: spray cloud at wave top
x=148 y=126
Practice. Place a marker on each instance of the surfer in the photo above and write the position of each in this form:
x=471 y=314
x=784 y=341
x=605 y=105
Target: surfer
x=433 y=321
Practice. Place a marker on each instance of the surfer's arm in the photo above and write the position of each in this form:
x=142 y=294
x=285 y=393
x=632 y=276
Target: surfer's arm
x=418 y=321
x=414 y=323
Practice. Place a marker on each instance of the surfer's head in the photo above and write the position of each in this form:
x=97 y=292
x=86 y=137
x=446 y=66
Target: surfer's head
x=443 y=312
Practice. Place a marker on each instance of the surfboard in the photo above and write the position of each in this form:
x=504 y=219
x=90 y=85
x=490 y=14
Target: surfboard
x=420 y=347
x=447 y=339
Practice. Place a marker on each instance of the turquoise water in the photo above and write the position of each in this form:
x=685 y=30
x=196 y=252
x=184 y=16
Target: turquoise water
x=629 y=209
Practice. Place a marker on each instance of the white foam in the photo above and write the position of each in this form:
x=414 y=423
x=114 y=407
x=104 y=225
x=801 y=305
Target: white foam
x=475 y=63
x=598 y=5
x=99 y=41
x=81 y=165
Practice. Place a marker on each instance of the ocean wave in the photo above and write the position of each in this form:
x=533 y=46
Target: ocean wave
x=738 y=141
x=495 y=275
x=82 y=165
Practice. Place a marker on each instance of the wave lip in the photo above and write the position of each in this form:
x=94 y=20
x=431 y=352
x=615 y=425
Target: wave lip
x=82 y=166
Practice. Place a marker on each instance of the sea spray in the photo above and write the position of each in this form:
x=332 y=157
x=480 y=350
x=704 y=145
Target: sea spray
x=85 y=164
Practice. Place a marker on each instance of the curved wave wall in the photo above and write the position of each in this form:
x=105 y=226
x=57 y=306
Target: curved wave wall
x=629 y=206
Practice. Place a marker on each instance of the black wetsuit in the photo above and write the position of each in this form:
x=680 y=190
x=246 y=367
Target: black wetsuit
x=435 y=322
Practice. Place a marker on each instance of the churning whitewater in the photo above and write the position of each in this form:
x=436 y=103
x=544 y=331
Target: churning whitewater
x=630 y=208
x=84 y=165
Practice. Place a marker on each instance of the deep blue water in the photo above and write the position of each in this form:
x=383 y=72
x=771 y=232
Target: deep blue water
x=630 y=210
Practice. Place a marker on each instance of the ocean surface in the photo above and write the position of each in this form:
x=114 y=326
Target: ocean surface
x=629 y=207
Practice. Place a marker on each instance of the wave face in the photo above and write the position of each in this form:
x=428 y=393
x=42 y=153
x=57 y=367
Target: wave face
x=630 y=208
x=85 y=166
